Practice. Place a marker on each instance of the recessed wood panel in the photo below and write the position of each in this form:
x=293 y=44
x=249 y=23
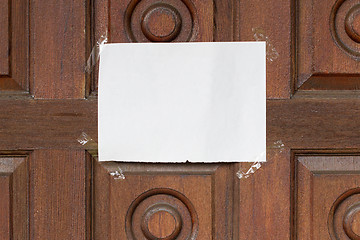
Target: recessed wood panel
x=4 y=39
x=59 y=48
x=328 y=45
x=59 y=195
x=270 y=21
x=327 y=197
x=161 y=21
x=131 y=198
x=5 y=209
x=262 y=207
x=14 y=202
x=14 y=47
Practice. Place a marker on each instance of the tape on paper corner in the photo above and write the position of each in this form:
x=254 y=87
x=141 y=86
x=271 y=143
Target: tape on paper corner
x=95 y=53
x=247 y=171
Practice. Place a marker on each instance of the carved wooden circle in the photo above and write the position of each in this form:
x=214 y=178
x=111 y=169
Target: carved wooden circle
x=348 y=221
x=161 y=214
x=344 y=216
x=160 y=21
x=345 y=26
x=352 y=23
x=169 y=220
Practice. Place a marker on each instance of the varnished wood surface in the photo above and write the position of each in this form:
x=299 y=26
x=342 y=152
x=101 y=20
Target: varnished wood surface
x=14 y=50
x=202 y=194
x=5 y=209
x=260 y=21
x=297 y=123
x=60 y=192
x=58 y=195
x=58 y=48
x=14 y=197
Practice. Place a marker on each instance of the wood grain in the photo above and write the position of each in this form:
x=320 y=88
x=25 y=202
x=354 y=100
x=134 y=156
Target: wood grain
x=4 y=40
x=212 y=21
x=298 y=123
x=322 y=209
x=264 y=20
x=5 y=209
x=324 y=48
x=14 y=49
x=58 y=48
x=14 y=200
x=58 y=194
x=263 y=208
x=208 y=188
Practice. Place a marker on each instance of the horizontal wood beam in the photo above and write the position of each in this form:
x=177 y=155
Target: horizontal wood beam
x=295 y=124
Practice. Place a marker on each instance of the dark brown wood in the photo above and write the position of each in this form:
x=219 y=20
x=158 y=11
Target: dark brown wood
x=58 y=48
x=31 y=124
x=58 y=195
x=326 y=45
x=271 y=21
x=129 y=21
x=52 y=187
x=14 y=47
x=5 y=203
x=327 y=196
x=14 y=200
x=195 y=193
x=4 y=40
x=263 y=208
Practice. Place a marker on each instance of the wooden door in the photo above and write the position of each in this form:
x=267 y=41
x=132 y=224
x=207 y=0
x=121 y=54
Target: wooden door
x=52 y=187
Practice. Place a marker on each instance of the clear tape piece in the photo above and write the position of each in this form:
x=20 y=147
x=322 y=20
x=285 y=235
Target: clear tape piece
x=89 y=144
x=118 y=174
x=95 y=53
x=271 y=52
x=247 y=172
x=84 y=138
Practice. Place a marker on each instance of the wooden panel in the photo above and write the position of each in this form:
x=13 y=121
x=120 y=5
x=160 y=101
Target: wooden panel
x=29 y=124
x=328 y=51
x=263 y=205
x=131 y=199
x=5 y=209
x=14 y=47
x=165 y=21
x=58 y=48
x=327 y=197
x=4 y=39
x=14 y=202
x=270 y=21
x=162 y=21
x=58 y=195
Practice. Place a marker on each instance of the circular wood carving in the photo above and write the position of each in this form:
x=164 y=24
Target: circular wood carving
x=344 y=216
x=345 y=26
x=160 y=21
x=352 y=23
x=161 y=214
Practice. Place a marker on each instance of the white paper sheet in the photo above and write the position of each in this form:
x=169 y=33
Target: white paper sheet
x=201 y=102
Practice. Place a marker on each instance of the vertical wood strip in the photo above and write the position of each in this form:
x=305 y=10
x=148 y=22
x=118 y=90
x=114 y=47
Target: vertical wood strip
x=58 y=47
x=5 y=38
x=264 y=206
x=271 y=21
x=20 y=43
x=58 y=194
x=5 y=207
x=20 y=199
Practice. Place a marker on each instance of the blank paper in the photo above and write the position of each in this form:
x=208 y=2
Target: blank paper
x=177 y=102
